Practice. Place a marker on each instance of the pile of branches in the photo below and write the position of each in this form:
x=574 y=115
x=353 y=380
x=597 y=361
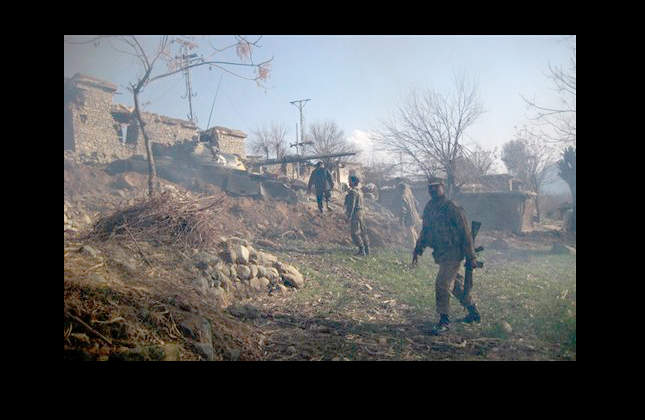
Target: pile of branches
x=164 y=219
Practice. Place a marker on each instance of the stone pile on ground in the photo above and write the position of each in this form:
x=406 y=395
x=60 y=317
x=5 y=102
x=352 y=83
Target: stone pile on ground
x=235 y=268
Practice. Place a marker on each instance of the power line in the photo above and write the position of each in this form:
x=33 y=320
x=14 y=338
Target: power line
x=300 y=104
x=213 y=106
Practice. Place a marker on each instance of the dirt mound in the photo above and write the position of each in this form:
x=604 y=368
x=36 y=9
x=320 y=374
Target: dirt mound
x=94 y=192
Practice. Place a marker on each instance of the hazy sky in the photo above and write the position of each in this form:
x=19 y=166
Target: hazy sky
x=353 y=80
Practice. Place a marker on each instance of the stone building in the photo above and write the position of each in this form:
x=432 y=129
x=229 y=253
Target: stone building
x=226 y=140
x=98 y=131
x=499 y=202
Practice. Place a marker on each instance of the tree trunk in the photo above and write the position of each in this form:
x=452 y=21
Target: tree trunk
x=537 y=208
x=152 y=177
x=568 y=173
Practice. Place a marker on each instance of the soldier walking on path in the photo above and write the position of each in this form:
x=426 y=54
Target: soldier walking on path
x=323 y=183
x=356 y=216
x=446 y=230
x=408 y=215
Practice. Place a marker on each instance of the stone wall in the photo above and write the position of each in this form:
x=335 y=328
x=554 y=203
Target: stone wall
x=226 y=140
x=499 y=210
x=97 y=131
x=509 y=211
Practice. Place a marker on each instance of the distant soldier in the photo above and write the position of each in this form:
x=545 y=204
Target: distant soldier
x=407 y=210
x=323 y=183
x=356 y=216
x=446 y=230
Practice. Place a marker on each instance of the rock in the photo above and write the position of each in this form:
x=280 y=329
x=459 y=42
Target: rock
x=205 y=350
x=187 y=331
x=225 y=269
x=506 y=327
x=229 y=255
x=86 y=219
x=264 y=282
x=242 y=254
x=254 y=270
x=89 y=250
x=253 y=254
x=272 y=273
x=218 y=277
x=258 y=284
x=244 y=272
x=562 y=249
x=292 y=280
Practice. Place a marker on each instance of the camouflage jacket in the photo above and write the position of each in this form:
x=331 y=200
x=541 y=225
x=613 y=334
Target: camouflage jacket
x=446 y=230
x=353 y=201
x=408 y=211
x=321 y=180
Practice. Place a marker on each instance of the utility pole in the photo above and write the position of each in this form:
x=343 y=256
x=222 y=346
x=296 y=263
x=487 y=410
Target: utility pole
x=186 y=61
x=300 y=104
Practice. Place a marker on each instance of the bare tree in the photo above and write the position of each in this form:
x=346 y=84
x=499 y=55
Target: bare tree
x=176 y=63
x=328 y=138
x=270 y=140
x=475 y=163
x=427 y=130
x=528 y=157
x=559 y=123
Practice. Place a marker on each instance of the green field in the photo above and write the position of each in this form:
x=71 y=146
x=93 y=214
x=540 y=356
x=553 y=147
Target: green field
x=533 y=292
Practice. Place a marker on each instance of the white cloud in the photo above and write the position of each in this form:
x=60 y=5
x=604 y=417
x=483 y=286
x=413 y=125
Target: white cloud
x=368 y=154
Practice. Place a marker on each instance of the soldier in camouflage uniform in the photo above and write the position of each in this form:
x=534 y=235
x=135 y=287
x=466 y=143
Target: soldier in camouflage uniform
x=407 y=211
x=356 y=216
x=446 y=230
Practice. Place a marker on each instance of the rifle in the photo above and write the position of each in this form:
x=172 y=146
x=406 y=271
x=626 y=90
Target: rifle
x=468 y=277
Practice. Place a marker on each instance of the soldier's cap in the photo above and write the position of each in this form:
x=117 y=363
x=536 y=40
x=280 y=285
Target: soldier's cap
x=435 y=181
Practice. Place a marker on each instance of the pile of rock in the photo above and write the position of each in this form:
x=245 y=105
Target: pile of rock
x=236 y=268
x=74 y=218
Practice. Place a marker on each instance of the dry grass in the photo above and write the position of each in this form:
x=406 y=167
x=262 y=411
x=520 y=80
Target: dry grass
x=165 y=219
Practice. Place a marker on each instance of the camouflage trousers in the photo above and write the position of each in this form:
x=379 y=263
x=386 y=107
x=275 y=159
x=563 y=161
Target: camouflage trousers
x=450 y=282
x=358 y=230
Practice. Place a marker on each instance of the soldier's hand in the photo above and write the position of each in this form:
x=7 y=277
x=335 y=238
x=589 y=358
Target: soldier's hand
x=472 y=263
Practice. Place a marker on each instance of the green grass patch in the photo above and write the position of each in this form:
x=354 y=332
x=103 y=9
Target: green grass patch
x=534 y=292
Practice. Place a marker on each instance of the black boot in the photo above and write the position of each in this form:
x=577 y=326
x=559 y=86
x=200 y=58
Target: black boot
x=361 y=252
x=367 y=249
x=473 y=315
x=442 y=326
